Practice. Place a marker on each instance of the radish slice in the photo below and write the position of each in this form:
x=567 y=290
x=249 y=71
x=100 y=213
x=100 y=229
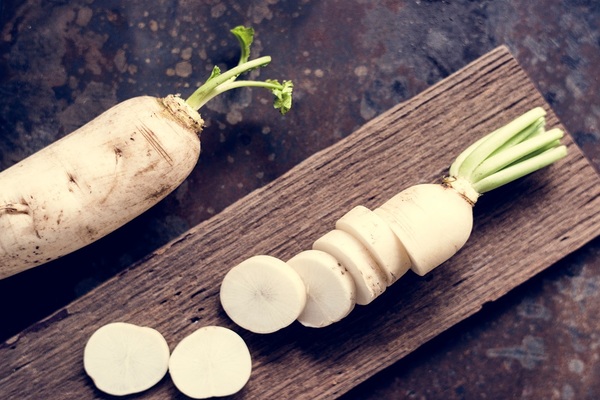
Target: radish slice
x=330 y=288
x=123 y=358
x=369 y=279
x=375 y=234
x=212 y=361
x=263 y=294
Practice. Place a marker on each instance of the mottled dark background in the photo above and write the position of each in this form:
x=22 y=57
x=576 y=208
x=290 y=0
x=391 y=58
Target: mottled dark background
x=64 y=62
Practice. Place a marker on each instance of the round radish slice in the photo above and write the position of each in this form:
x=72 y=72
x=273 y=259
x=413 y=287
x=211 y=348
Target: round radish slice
x=375 y=234
x=123 y=358
x=369 y=279
x=211 y=362
x=330 y=288
x=263 y=294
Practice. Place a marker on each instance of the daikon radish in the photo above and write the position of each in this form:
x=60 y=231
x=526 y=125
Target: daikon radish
x=426 y=224
x=329 y=286
x=431 y=221
x=381 y=242
x=434 y=221
x=369 y=278
x=111 y=170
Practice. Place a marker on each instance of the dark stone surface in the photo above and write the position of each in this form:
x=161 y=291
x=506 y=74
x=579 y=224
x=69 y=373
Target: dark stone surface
x=64 y=62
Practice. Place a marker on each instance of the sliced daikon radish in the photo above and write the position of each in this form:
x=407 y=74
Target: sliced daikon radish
x=369 y=279
x=263 y=294
x=123 y=358
x=432 y=221
x=375 y=234
x=330 y=288
x=212 y=361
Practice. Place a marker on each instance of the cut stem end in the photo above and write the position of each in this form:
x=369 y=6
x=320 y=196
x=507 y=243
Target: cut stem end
x=464 y=188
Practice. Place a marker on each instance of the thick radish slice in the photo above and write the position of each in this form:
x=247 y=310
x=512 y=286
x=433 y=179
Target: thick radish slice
x=263 y=294
x=211 y=362
x=330 y=288
x=369 y=279
x=432 y=221
x=376 y=235
x=123 y=358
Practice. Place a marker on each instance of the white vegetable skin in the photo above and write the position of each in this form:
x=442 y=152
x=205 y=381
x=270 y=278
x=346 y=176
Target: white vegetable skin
x=432 y=221
x=381 y=242
x=213 y=361
x=329 y=286
x=95 y=180
x=123 y=358
x=369 y=279
x=263 y=294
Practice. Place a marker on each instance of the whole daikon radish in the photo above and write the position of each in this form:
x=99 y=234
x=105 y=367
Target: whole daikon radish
x=111 y=170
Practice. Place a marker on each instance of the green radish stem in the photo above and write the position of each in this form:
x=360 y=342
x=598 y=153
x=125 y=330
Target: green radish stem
x=517 y=149
x=218 y=82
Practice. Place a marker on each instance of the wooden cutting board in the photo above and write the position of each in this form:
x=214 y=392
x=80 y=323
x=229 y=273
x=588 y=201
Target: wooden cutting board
x=519 y=231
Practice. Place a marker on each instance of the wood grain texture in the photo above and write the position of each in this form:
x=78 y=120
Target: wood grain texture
x=519 y=231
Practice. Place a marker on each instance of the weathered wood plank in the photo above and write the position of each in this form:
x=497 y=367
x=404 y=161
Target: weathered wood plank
x=518 y=232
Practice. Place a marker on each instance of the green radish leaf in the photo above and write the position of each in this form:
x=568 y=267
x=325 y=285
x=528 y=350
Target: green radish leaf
x=218 y=82
x=245 y=36
x=283 y=95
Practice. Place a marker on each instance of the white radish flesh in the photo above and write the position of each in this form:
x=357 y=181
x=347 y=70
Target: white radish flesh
x=94 y=180
x=432 y=221
x=375 y=234
x=263 y=294
x=211 y=362
x=123 y=358
x=369 y=279
x=330 y=288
